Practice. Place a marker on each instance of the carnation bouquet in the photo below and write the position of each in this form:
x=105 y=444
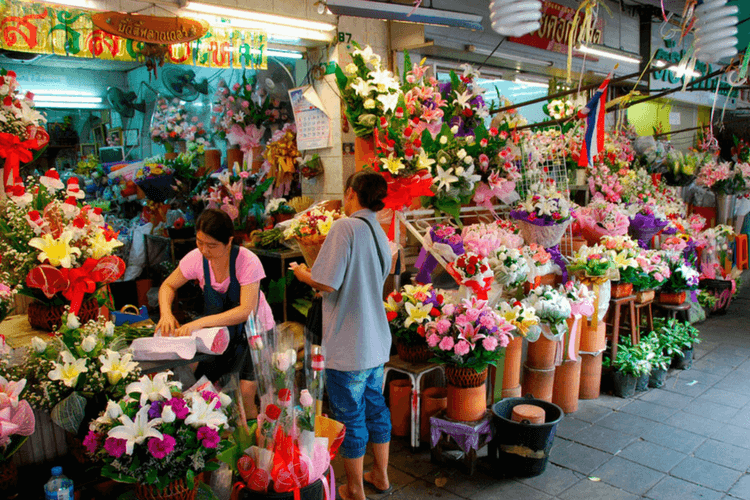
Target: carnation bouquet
x=310 y=229
x=510 y=266
x=473 y=272
x=443 y=239
x=173 y=123
x=16 y=418
x=157 y=435
x=409 y=309
x=600 y=218
x=368 y=90
x=21 y=128
x=468 y=334
x=552 y=308
x=483 y=238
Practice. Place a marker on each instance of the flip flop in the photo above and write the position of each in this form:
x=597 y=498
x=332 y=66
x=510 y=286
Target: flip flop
x=386 y=491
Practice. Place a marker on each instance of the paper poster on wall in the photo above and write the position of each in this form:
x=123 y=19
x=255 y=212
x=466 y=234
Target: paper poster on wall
x=313 y=122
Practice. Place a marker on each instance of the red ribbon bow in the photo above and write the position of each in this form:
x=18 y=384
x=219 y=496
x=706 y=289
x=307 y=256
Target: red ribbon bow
x=15 y=151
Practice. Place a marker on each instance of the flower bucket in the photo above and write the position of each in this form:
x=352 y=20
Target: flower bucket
x=593 y=339
x=512 y=368
x=399 y=398
x=541 y=354
x=621 y=290
x=310 y=248
x=176 y=490
x=672 y=298
x=645 y=296
x=546 y=236
x=434 y=399
x=419 y=353
x=591 y=375
x=567 y=385
x=46 y=317
x=539 y=382
x=48 y=442
x=235 y=155
x=313 y=491
x=466 y=404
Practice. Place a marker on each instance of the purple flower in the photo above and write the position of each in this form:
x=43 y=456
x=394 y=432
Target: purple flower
x=209 y=437
x=91 y=441
x=155 y=410
x=160 y=448
x=179 y=407
x=115 y=447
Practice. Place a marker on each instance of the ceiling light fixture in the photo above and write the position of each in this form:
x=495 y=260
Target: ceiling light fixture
x=404 y=13
x=68 y=104
x=609 y=53
x=679 y=71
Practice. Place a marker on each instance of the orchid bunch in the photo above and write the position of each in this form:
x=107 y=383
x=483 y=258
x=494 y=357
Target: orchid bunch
x=172 y=122
x=410 y=309
x=591 y=261
x=16 y=418
x=473 y=272
x=313 y=223
x=241 y=112
x=156 y=434
x=368 y=90
x=82 y=366
x=238 y=193
x=521 y=316
x=468 y=334
x=21 y=127
x=552 y=308
x=509 y=265
x=544 y=204
x=683 y=276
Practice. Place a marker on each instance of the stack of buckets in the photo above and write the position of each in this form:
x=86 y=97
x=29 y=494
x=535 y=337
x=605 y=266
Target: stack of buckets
x=568 y=374
x=593 y=343
x=402 y=399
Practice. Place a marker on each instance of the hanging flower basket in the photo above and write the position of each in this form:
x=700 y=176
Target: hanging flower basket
x=458 y=376
x=46 y=317
x=419 y=353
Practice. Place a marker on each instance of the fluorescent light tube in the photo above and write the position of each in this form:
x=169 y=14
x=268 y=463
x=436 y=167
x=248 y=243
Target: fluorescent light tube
x=64 y=98
x=51 y=92
x=271 y=29
x=513 y=57
x=397 y=12
x=677 y=70
x=71 y=105
x=531 y=83
x=609 y=53
x=284 y=54
x=258 y=16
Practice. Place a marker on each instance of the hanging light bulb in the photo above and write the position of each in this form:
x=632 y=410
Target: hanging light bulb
x=715 y=27
x=515 y=17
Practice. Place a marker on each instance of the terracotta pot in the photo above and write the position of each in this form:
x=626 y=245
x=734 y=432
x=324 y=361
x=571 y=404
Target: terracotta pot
x=234 y=155
x=419 y=353
x=567 y=385
x=541 y=354
x=400 y=405
x=464 y=377
x=593 y=339
x=364 y=152
x=211 y=161
x=512 y=366
x=466 y=404
x=620 y=289
x=591 y=375
x=538 y=382
x=434 y=399
x=176 y=490
x=644 y=296
x=256 y=162
x=527 y=287
x=672 y=298
x=46 y=317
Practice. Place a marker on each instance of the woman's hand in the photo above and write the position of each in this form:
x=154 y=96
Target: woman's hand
x=167 y=325
x=187 y=329
x=299 y=270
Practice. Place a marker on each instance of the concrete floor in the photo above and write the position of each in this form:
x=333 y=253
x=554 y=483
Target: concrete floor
x=687 y=440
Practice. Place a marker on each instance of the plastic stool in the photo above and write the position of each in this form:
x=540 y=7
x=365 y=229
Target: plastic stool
x=740 y=253
x=615 y=307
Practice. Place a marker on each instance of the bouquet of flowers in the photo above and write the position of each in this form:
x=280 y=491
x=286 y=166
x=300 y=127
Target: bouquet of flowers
x=241 y=113
x=544 y=214
x=538 y=260
x=740 y=151
x=312 y=167
x=683 y=277
x=7 y=298
x=552 y=308
x=16 y=418
x=611 y=167
x=72 y=375
x=368 y=90
x=646 y=221
x=682 y=167
x=156 y=180
x=442 y=239
x=600 y=218
x=464 y=106
x=559 y=108
x=172 y=123
x=483 y=238
x=582 y=302
x=156 y=435
x=21 y=130
x=717 y=176
x=507 y=120
x=521 y=316
x=622 y=250
x=310 y=229
x=239 y=194
x=473 y=272
x=510 y=266
x=592 y=261
x=652 y=272
x=282 y=156
x=409 y=309
x=469 y=334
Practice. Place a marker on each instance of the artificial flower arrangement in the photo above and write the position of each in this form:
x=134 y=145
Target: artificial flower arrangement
x=683 y=277
x=21 y=128
x=281 y=155
x=173 y=123
x=473 y=272
x=238 y=193
x=409 y=309
x=7 y=297
x=510 y=266
x=156 y=179
x=156 y=435
x=60 y=251
x=468 y=334
x=443 y=239
x=310 y=229
x=73 y=374
x=553 y=309
x=16 y=418
x=368 y=90
x=544 y=214
x=521 y=316
x=600 y=218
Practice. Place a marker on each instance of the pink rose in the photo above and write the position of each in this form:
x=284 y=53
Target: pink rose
x=462 y=348
x=305 y=399
x=236 y=87
x=446 y=344
x=489 y=344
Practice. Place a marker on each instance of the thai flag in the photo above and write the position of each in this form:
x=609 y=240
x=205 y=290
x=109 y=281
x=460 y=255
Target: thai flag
x=594 y=113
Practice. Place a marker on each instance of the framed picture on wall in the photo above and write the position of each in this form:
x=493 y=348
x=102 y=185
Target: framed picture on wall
x=88 y=149
x=130 y=137
x=100 y=135
x=105 y=116
x=114 y=138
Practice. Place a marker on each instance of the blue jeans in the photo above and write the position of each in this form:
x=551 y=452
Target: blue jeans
x=357 y=401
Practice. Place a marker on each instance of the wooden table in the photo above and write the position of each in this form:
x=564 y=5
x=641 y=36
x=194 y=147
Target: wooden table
x=18 y=332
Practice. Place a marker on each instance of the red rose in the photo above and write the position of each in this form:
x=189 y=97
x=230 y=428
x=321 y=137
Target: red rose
x=408 y=153
x=467 y=112
x=7 y=100
x=415 y=121
x=285 y=395
x=417 y=143
x=493 y=131
x=434 y=312
x=383 y=122
x=421 y=331
x=398 y=297
x=11 y=74
x=440 y=299
x=399 y=112
x=471 y=270
x=408 y=131
x=272 y=412
x=391 y=315
x=179 y=223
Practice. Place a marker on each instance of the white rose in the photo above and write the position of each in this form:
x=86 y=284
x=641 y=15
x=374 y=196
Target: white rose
x=73 y=322
x=168 y=415
x=460 y=171
x=369 y=104
x=113 y=410
x=468 y=160
x=461 y=154
x=443 y=140
x=442 y=161
x=39 y=345
x=470 y=139
x=454 y=129
x=109 y=329
x=89 y=343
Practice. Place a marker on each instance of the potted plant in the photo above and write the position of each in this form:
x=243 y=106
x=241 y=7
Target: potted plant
x=160 y=438
x=629 y=365
x=682 y=278
x=408 y=311
x=686 y=336
x=660 y=361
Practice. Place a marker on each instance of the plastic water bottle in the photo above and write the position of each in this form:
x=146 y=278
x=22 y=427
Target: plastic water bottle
x=58 y=487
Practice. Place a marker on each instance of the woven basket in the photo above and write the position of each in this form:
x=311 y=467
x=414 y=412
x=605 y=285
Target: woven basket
x=310 y=248
x=620 y=289
x=644 y=296
x=546 y=236
x=458 y=376
x=419 y=353
x=672 y=298
x=176 y=490
x=46 y=317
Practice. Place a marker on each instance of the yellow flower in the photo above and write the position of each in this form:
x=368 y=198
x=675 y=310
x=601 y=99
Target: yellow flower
x=351 y=68
x=100 y=247
x=393 y=165
x=57 y=251
x=417 y=313
x=325 y=225
x=424 y=161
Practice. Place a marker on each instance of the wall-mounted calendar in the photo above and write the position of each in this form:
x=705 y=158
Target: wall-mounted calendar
x=313 y=123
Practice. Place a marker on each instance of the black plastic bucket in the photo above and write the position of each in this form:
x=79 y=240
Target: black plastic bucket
x=522 y=449
x=313 y=491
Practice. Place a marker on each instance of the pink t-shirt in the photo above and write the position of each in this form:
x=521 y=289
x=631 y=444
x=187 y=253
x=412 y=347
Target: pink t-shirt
x=248 y=269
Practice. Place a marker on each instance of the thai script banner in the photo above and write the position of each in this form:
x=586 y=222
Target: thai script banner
x=45 y=29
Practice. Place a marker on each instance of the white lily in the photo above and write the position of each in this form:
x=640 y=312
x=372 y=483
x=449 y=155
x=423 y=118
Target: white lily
x=156 y=389
x=444 y=178
x=424 y=161
x=361 y=87
x=116 y=366
x=69 y=370
x=113 y=410
x=202 y=413
x=389 y=101
x=463 y=98
x=136 y=431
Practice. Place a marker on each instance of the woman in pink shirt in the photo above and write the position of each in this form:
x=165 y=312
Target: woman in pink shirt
x=233 y=276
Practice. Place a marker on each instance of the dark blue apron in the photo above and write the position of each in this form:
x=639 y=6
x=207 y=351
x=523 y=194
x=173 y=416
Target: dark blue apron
x=235 y=358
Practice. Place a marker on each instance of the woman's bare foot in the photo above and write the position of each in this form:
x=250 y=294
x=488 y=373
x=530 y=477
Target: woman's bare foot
x=379 y=481
x=345 y=495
